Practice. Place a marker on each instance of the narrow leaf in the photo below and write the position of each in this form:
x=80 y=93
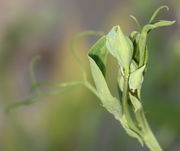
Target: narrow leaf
x=162 y=23
x=108 y=101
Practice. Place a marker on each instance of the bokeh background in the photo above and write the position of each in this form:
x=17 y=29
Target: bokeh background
x=75 y=119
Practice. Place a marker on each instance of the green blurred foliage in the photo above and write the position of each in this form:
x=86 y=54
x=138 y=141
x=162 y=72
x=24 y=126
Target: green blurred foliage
x=75 y=120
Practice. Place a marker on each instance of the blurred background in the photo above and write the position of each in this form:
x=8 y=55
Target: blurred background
x=75 y=119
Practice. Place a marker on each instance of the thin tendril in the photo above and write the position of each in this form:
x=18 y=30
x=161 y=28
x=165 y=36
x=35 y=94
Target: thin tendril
x=74 y=48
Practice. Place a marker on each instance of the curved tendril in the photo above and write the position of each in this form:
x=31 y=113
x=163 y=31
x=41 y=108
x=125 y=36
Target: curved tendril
x=66 y=86
x=74 y=48
x=36 y=85
x=139 y=27
x=156 y=13
x=33 y=99
x=56 y=85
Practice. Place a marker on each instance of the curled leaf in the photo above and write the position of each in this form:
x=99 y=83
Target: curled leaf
x=98 y=52
x=120 y=47
x=136 y=78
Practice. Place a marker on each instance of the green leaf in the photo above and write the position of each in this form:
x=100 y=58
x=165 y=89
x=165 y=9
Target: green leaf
x=120 y=47
x=134 y=35
x=143 y=37
x=120 y=82
x=135 y=39
x=120 y=79
x=157 y=24
x=133 y=66
x=162 y=23
x=129 y=131
x=98 y=52
x=108 y=101
x=156 y=13
x=136 y=78
x=135 y=102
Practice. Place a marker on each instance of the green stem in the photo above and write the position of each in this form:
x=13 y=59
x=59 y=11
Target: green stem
x=144 y=129
x=151 y=141
x=125 y=106
x=147 y=133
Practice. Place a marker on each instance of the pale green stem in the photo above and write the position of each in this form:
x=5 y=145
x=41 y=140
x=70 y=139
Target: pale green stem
x=147 y=133
x=144 y=129
x=125 y=106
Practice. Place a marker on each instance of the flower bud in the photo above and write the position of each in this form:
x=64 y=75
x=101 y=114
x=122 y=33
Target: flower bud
x=120 y=47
